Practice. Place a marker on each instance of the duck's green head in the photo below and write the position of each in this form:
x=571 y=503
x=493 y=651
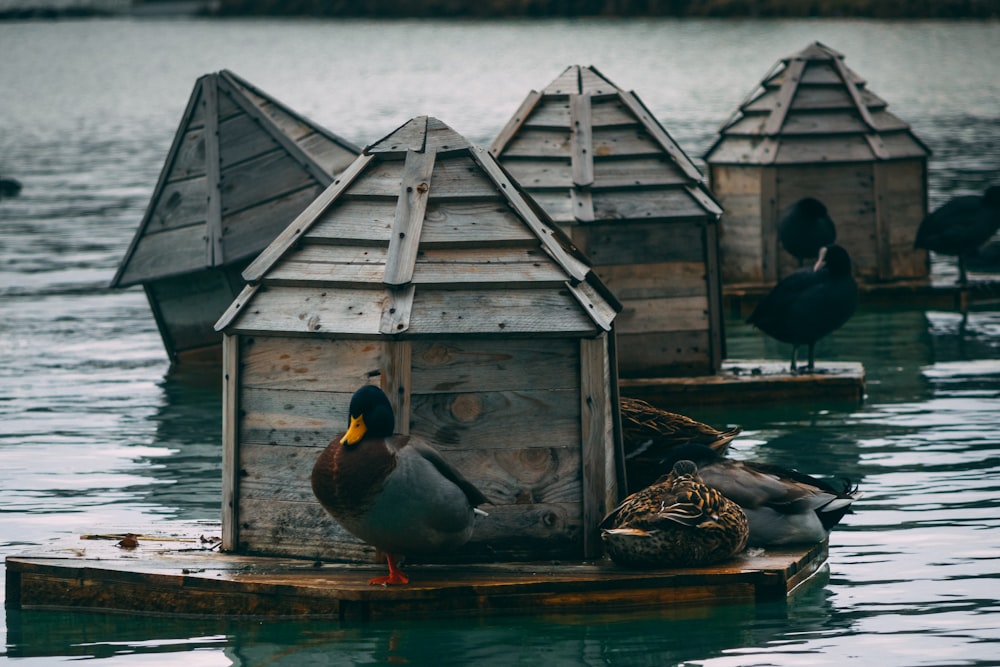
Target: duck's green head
x=370 y=415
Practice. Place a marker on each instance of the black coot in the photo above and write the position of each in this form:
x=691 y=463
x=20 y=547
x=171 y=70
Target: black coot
x=810 y=303
x=960 y=226
x=805 y=227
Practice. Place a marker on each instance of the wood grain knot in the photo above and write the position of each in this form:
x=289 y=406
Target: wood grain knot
x=467 y=407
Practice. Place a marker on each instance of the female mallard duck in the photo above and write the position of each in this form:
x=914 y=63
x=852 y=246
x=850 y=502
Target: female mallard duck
x=394 y=491
x=783 y=506
x=676 y=522
x=649 y=434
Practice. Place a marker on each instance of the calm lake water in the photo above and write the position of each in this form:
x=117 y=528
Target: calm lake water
x=97 y=434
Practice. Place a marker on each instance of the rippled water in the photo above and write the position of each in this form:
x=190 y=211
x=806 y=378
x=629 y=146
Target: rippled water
x=96 y=434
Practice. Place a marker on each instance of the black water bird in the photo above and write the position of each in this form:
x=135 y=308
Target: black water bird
x=810 y=303
x=805 y=227
x=961 y=226
x=783 y=506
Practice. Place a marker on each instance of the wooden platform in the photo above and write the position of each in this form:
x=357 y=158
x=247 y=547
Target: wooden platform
x=181 y=576
x=753 y=381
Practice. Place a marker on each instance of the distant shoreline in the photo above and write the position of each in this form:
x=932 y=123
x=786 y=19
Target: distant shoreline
x=493 y=9
x=900 y=9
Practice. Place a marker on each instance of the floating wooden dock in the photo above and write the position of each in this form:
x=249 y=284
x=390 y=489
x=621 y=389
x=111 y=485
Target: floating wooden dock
x=753 y=381
x=178 y=577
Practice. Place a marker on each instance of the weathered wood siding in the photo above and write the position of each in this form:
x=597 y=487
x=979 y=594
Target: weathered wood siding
x=423 y=268
x=901 y=193
x=182 y=305
x=877 y=207
x=602 y=167
x=241 y=167
x=506 y=413
x=813 y=129
x=741 y=231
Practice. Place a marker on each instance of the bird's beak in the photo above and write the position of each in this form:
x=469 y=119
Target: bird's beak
x=820 y=260
x=355 y=431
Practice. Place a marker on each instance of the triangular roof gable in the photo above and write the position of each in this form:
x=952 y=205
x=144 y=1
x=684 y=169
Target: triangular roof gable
x=811 y=107
x=277 y=159
x=422 y=232
x=587 y=120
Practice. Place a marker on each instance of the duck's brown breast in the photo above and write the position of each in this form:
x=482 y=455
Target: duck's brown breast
x=347 y=478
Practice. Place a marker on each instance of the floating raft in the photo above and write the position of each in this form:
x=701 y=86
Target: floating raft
x=752 y=381
x=163 y=577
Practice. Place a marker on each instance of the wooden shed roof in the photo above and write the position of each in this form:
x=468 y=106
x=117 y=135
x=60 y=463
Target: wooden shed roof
x=812 y=108
x=585 y=134
x=423 y=234
x=242 y=165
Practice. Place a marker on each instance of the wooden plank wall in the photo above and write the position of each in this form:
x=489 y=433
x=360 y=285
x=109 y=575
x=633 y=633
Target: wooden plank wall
x=226 y=158
x=876 y=206
x=738 y=190
x=626 y=205
x=505 y=412
x=901 y=190
x=187 y=306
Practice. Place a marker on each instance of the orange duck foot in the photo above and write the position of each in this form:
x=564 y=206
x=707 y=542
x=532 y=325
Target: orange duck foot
x=394 y=578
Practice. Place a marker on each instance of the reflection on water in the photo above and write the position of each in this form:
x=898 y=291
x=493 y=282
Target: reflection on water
x=97 y=435
x=591 y=639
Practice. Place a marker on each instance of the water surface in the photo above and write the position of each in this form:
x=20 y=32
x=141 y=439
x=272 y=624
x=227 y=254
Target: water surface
x=98 y=434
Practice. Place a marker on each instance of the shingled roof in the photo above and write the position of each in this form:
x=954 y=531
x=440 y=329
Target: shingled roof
x=423 y=234
x=587 y=150
x=242 y=165
x=812 y=108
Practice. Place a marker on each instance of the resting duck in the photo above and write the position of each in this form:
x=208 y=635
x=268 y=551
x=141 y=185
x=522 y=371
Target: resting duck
x=395 y=492
x=676 y=522
x=960 y=226
x=783 y=506
x=650 y=433
x=805 y=227
x=808 y=304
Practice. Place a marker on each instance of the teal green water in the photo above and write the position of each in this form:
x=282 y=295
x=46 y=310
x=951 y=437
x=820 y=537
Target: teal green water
x=96 y=434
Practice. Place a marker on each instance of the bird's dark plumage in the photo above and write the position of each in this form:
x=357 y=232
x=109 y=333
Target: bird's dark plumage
x=809 y=304
x=676 y=522
x=394 y=491
x=783 y=506
x=9 y=187
x=805 y=227
x=961 y=226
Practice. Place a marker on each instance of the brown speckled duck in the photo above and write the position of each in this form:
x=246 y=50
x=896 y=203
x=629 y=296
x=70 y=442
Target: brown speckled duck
x=676 y=522
x=395 y=492
x=650 y=434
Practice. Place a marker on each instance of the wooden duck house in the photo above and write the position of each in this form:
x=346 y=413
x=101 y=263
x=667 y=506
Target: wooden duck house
x=425 y=269
x=813 y=129
x=241 y=167
x=632 y=201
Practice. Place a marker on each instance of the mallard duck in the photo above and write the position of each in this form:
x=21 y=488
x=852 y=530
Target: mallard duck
x=395 y=492
x=805 y=227
x=676 y=522
x=783 y=506
x=650 y=433
x=808 y=304
x=960 y=226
